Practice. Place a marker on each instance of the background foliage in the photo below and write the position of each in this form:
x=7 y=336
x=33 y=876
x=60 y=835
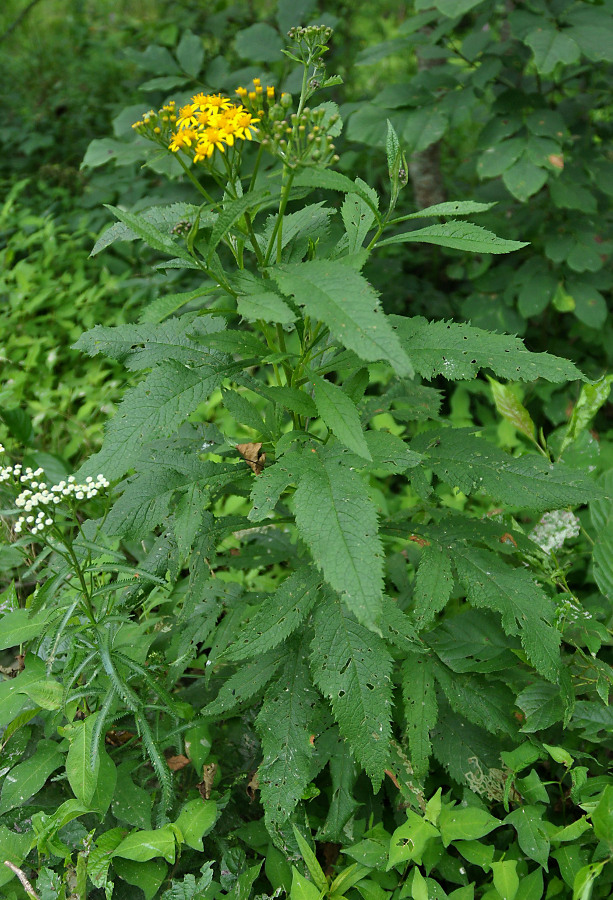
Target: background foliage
x=363 y=665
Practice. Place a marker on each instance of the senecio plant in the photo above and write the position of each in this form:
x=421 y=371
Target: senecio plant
x=300 y=541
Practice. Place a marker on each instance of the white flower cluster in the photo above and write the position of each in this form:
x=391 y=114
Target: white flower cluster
x=554 y=528
x=40 y=499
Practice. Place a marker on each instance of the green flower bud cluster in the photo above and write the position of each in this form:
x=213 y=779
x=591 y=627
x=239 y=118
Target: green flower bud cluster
x=300 y=140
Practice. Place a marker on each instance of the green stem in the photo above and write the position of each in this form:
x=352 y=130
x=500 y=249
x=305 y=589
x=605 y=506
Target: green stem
x=196 y=183
x=277 y=233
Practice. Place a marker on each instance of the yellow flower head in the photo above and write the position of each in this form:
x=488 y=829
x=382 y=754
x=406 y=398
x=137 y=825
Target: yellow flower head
x=187 y=114
x=182 y=138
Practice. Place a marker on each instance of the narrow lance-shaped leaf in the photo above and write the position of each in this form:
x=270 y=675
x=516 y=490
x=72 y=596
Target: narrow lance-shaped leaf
x=285 y=728
x=150 y=233
x=457 y=236
x=458 y=350
x=338 y=520
x=513 y=410
x=352 y=667
x=591 y=398
x=340 y=297
x=340 y=415
x=433 y=584
x=154 y=408
x=279 y=615
x=420 y=708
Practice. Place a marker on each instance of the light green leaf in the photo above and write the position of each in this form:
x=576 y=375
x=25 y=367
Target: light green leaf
x=243 y=410
x=467 y=823
x=486 y=705
x=531 y=886
x=551 y=47
x=352 y=667
x=195 y=820
x=457 y=236
x=14 y=846
x=531 y=832
x=27 y=778
x=279 y=615
x=342 y=298
x=267 y=306
x=141 y=846
x=512 y=409
x=19 y=627
x=81 y=770
x=302 y=889
x=409 y=841
x=592 y=397
x=336 y=517
x=340 y=415
x=506 y=879
x=99 y=858
x=602 y=816
x=268 y=487
x=315 y=870
x=449 y=208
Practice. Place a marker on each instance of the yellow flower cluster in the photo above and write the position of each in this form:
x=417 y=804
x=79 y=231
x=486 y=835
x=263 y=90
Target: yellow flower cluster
x=211 y=121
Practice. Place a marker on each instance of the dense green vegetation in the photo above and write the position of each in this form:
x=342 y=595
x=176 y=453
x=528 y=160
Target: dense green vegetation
x=307 y=468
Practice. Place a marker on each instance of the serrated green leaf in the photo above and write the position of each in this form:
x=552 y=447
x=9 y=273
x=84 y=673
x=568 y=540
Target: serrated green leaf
x=285 y=726
x=352 y=667
x=542 y=706
x=334 y=181
x=231 y=214
x=513 y=410
x=449 y=208
x=268 y=487
x=551 y=47
x=525 y=608
x=267 y=306
x=244 y=684
x=154 y=408
x=469 y=463
x=342 y=298
x=487 y=705
x=145 y=346
x=420 y=708
x=168 y=304
x=163 y=218
x=340 y=415
x=358 y=216
x=292 y=398
x=390 y=452
x=433 y=585
x=149 y=233
x=27 y=778
x=279 y=615
x=458 y=350
x=457 y=236
x=337 y=519
x=243 y=410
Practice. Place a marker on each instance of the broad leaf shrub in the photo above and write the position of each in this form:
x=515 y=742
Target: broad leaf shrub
x=296 y=593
